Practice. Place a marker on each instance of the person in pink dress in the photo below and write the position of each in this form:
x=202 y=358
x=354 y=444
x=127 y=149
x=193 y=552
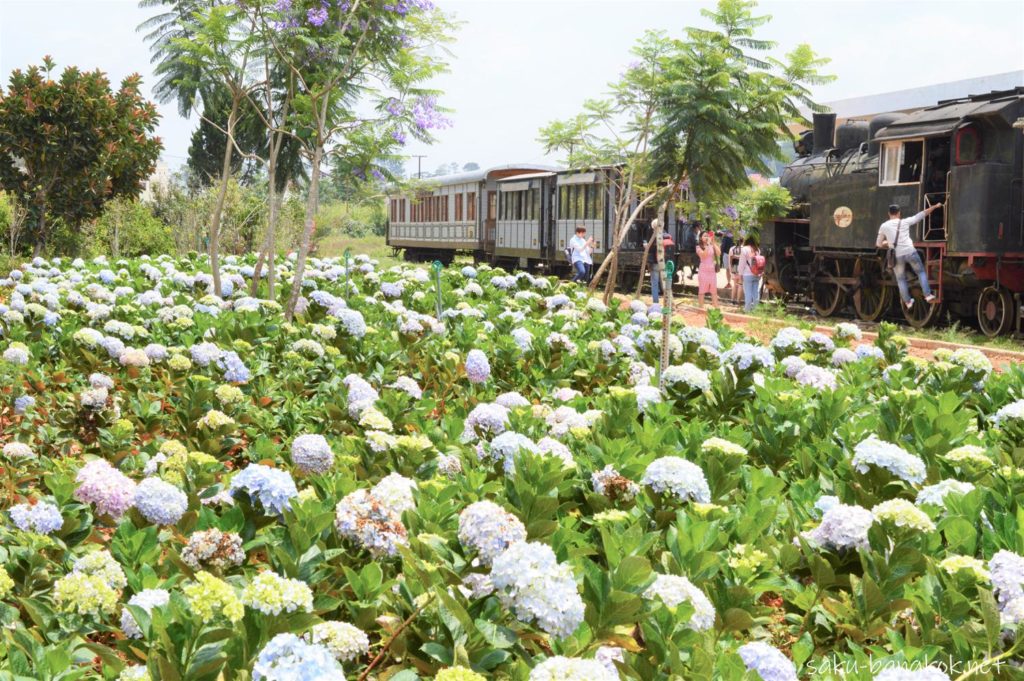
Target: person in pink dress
x=707 y=278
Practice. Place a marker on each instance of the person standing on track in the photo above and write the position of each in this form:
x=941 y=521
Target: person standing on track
x=581 y=248
x=707 y=274
x=751 y=281
x=894 y=233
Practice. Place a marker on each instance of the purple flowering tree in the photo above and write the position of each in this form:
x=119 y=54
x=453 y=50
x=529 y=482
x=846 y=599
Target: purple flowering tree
x=359 y=69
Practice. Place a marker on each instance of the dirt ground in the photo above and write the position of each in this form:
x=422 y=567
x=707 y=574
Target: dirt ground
x=764 y=329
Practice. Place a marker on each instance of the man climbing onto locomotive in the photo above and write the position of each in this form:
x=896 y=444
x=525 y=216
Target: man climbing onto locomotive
x=894 y=233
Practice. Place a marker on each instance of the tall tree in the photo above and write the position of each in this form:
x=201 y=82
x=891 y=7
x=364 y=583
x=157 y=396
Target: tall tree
x=725 y=101
x=70 y=145
x=614 y=135
x=206 y=150
x=359 y=68
x=220 y=50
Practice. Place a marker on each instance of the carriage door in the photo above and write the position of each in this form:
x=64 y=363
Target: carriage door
x=490 y=224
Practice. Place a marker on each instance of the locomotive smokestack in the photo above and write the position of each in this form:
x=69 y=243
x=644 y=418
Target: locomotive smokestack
x=824 y=132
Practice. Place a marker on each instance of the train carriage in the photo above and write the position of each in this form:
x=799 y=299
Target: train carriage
x=454 y=214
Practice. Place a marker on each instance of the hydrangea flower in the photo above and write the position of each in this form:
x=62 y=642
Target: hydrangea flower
x=488 y=529
x=209 y=598
x=345 y=641
x=866 y=351
x=458 y=673
x=1011 y=412
x=843 y=356
x=717 y=445
x=744 y=357
x=560 y=668
x=41 y=517
x=213 y=548
x=18 y=450
x=539 y=588
x=272 y=487
x=138 y=672
x=486 y=419
x=1006 y=570
x=370 y=523
x=688 y=375
x=108 y=489
x=768 y=661
x=83 y=594
x=147 y=599
x=288 y=658
x=936 y=494
x=272 y=594
x=408 y=386
x=842 y=527
x=971 y=455
x=846 y=330
x=902 y=464
x=816 y=377
x=159 y=502
x=788 y=340
x=674 y=589
x=903 y=513
x=955 y=564
x=504 y=449
x=17 y=354
x=312 y=454
x=610 y=483
x=679 y=478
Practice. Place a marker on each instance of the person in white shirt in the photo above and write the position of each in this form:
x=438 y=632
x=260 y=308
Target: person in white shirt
x=894 y=233
x=581 y=248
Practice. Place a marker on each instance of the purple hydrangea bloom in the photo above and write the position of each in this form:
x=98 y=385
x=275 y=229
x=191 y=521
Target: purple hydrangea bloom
x=312 y=454
x=478 y=369
x=22 y=404
x=108 y=489
x=234 y=370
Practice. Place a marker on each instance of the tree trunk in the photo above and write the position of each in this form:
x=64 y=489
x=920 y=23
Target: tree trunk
x=271 y=210
x=307 y=233
x=621 y=236
x=225 y=177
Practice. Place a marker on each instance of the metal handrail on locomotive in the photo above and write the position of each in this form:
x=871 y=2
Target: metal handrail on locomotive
x=516 y=216
x=963 y=153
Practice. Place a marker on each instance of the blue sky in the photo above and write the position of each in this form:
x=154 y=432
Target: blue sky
x=518 y=64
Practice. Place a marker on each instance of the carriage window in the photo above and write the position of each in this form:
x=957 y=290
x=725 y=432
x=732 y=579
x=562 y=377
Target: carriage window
x=535 y=204
x=599 y=200
x=471 y=206
x=968 y=146
x=458 y=207
x=901 y=162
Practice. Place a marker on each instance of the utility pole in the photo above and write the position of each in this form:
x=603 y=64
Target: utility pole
x=419 y=165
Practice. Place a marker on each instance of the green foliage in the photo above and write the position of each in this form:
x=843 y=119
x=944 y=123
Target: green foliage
x=724 y=101
x=68 y=146
x=128 y=228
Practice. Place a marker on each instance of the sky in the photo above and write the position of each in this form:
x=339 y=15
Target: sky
x=516 y=65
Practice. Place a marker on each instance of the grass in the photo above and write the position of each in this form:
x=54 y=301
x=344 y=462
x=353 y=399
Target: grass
x=373 y=246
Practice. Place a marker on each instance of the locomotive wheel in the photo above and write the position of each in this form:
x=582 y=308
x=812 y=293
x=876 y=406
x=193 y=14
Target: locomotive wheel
x=827 y=294
x=872 y=297
x=994 y=311
x=923 y=313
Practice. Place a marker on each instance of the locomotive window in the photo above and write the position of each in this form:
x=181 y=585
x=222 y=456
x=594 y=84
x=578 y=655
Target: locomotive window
x=901 y=163
x=968 y=146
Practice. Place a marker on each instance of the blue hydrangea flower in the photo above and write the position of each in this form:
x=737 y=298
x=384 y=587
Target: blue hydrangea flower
x=234 y=370
x=745 y=356
x=902 y=464
x=204 y=353
x=41 y=518
x=768 y=661
x=22 y=403
x=489 y=530
x=288 y=658
x=160 y=502
x=272 y=487
x=469 y=272
x=680 y=478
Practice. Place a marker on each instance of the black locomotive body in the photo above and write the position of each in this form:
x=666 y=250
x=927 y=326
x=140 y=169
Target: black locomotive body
x=965 y=154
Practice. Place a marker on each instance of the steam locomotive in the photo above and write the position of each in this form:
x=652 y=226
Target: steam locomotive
x=967 y=154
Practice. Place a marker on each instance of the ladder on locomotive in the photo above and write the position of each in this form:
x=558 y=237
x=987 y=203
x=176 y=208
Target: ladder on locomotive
x=931 y=233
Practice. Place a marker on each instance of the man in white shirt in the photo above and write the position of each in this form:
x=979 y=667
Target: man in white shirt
x=894 y=233
x=581 y=248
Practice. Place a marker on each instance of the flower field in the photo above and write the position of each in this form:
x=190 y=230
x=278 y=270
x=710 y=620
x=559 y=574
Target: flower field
x=196 y=489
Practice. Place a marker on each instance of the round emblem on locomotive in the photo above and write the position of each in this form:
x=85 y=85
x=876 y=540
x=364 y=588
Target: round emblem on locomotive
x=843 y=216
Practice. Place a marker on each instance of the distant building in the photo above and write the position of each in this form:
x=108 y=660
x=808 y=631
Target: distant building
x=159 y=180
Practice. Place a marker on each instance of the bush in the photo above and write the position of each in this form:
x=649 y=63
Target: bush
x=127 y=228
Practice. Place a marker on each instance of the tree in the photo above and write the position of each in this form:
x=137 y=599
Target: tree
x=69 y=146
x=206 y=150
x=358 y=69
x=471 y=166
x=217 y=49
x=614 y=135
x=12 y=220
x=721 y=108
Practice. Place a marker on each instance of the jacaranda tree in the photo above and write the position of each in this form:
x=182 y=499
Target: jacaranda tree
x=68 y=146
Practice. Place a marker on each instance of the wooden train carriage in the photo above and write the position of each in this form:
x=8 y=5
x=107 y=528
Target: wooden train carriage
x=455 y=213
x=524 y=211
